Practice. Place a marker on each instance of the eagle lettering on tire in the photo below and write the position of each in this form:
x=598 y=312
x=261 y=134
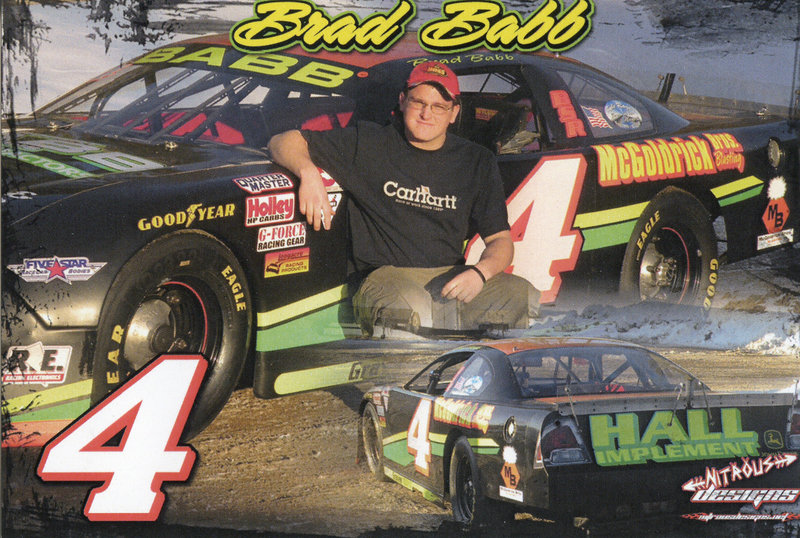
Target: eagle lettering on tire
x=183 y=293
x=672 y=254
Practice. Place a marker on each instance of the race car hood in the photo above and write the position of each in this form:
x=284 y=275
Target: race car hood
x=43 y=166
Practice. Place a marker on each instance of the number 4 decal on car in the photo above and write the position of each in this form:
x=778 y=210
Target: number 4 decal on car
x=419 y=445
x=541 y=213
x=130 y=442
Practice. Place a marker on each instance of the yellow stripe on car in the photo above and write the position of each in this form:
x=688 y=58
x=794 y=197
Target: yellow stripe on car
x=41 y=398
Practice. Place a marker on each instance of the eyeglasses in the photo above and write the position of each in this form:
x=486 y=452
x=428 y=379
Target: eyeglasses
x=438 y=109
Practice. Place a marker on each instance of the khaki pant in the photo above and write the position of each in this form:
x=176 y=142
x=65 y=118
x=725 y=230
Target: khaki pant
x=410 y=297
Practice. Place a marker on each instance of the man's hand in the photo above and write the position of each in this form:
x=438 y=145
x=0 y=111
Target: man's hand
x=290 y=150
x=313 y=199
x=497 y=255
x=464 y=287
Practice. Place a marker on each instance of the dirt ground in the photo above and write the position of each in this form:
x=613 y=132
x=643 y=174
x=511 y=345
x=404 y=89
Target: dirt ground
x=288 y=466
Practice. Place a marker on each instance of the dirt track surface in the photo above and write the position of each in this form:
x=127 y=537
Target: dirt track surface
x=289 y=466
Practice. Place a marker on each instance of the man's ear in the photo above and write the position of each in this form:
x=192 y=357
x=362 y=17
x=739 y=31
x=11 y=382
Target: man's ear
x=454 y=113
x=401 y=99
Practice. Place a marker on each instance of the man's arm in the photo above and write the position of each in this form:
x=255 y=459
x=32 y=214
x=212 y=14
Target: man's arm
x=290 y=150
x=497 y=255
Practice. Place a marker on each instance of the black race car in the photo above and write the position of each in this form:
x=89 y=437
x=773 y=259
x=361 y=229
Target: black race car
x=593 y=429
x=142 y=215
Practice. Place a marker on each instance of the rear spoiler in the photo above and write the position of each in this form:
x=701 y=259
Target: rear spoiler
x=614 y=403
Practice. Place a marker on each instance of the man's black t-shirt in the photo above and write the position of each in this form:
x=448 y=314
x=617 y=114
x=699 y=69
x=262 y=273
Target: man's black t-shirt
x=412 y=207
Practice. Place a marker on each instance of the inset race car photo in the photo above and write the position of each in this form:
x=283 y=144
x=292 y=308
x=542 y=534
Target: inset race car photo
x=594 y=429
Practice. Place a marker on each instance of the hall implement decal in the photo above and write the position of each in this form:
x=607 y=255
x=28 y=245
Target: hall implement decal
x=464 y=25
x=616 y=439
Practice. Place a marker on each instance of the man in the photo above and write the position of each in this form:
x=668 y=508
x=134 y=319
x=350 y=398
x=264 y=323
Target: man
x=416 y=192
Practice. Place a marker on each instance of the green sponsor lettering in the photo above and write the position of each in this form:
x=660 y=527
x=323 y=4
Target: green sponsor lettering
x=616 y=441
x=604 y=431
x=663 y=426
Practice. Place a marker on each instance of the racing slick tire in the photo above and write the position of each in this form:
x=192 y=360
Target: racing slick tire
x=182 y=293
x=372 y=439
x=672 y=254
x=467 y=500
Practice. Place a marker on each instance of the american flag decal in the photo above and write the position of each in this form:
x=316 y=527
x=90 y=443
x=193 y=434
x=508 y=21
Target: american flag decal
x=595 y=117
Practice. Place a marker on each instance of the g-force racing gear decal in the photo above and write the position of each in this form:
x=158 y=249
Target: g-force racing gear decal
x=281 y=236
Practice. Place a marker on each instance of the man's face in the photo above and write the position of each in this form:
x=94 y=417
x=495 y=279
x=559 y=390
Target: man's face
x=426 y=115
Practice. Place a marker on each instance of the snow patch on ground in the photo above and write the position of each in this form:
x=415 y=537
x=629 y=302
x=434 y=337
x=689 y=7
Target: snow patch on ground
x=768 y=333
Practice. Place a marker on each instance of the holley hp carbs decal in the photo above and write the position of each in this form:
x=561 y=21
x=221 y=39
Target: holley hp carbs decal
x=269 y=208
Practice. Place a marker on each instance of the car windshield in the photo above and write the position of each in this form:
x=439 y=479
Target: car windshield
x=229 y=98
x=593 y=370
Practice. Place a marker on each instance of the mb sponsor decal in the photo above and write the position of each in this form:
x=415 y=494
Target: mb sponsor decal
x=510 y=475
x=616 y=439
x=67 y=269
x=659 y=159
x=270 y=208
x=775 y=216
x=286 y=262
x=36 y=364
x=185 y=219
x=281 y=236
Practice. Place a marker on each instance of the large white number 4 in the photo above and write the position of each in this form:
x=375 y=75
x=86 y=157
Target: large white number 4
x=541 y=213
x=418 y=444
x=130 y=442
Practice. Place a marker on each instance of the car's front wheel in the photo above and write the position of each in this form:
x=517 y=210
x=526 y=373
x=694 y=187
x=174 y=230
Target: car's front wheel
x=372 y=439
x=183 y=293
x=672 y=254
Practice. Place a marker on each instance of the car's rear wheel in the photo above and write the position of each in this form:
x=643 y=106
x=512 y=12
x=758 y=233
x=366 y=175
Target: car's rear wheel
x=372 y=439
x=467 y=499
x=672 y=254
x=182 y=293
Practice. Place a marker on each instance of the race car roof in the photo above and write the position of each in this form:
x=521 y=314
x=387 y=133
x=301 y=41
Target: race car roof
x=514 y=345
x=406 y=47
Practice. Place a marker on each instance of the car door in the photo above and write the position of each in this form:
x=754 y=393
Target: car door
x=416 y=445
x=541 y=119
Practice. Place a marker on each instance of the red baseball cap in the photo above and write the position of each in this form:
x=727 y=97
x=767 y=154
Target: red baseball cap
x=437 y=73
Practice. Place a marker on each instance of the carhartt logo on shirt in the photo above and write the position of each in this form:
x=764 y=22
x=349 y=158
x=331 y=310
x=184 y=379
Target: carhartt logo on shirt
x=419 y=197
